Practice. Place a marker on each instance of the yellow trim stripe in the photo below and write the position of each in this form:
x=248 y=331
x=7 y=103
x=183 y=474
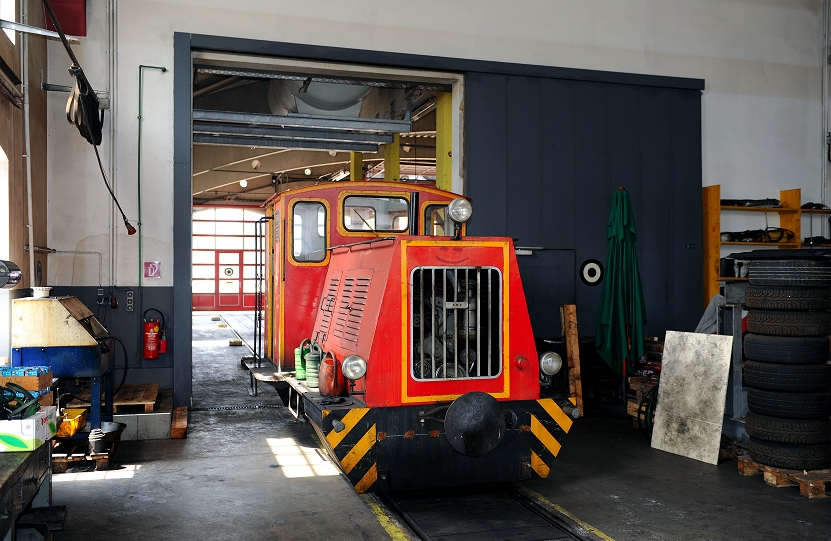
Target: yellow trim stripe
x=539 y=466
x=556 y=413
x=350 y=420
x=544 y=436
x=361 y=448
x=368 y=479
x=586 y=526
x=573 y=400
x=392 y=529
x=405 y=317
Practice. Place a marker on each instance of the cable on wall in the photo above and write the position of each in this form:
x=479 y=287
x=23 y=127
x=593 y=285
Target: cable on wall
x=83 y=111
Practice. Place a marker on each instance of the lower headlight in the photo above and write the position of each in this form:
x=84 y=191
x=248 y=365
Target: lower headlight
x=550 y=363
x=353 y=367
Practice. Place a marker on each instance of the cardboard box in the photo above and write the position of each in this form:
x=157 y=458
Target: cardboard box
x=30 y=383
x=30 y=433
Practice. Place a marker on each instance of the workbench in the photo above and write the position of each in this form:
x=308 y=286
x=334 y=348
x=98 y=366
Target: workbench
x=25 y=479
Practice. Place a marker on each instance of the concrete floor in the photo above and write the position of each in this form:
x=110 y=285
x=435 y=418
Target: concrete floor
x=255 y=473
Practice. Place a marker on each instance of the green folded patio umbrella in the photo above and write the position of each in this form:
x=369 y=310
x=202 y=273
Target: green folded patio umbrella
x=622 y=313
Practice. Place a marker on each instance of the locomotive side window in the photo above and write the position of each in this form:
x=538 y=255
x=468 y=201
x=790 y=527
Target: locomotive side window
x=456 y=322
x=434 y=220
x=380 y=214
x=309 y=232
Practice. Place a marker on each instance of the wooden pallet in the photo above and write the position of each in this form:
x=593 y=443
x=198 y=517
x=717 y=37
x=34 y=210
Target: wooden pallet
x=129 y=397
x=641 y=385
x=811 y=483
x=65 y=453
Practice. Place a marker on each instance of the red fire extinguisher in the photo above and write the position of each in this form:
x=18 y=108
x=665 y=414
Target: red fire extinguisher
x=154 y=335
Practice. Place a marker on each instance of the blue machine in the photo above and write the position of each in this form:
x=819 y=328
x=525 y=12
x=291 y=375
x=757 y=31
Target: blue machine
x=60 y=332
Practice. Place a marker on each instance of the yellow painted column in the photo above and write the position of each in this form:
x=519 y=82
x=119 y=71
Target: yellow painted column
x=356 y=166
x=392 y=159
x=444 y=140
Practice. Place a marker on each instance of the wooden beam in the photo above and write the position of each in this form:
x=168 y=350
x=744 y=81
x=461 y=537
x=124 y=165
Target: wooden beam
x=356 y=166
x=179 y=423
x=711 y=196
x=392 y=159
x=444 y=140
x=568 y=318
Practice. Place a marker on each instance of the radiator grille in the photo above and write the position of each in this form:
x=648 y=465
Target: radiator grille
x=327 y=304
x=349 y=308
x=456 y=322
x=356 y=309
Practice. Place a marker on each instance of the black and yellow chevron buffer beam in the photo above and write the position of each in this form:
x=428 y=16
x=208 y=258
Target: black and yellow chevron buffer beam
x=352 y=445
x=552 y=416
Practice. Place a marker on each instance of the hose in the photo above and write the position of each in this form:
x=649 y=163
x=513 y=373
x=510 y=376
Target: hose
x=144 y=315
x=126 y=363
x=123 y=375
x=645 y=416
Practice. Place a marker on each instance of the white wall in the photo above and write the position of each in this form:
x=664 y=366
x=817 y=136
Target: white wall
x=762 y=61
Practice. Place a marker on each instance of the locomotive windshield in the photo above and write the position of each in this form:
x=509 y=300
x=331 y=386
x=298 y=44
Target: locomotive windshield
x=381 y=214
x=309 y=232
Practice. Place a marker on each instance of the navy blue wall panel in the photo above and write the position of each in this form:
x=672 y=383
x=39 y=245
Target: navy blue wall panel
x=524 y=182
x=686 y=180
x=485 y=152
x=567 y=146
x=655 y=225
x=557 y=144
x=128 y=327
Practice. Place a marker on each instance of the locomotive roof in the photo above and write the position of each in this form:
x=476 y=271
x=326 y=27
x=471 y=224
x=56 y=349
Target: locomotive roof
x=369 y=186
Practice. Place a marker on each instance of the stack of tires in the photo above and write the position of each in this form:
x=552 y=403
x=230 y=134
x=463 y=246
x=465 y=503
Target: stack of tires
x=788 y=371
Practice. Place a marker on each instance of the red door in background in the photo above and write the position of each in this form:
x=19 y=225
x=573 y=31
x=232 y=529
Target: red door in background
x=229 y=280
x=224 y=257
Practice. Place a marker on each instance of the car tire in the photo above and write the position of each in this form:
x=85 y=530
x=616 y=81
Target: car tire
x=792 y=457
x=788 y=272
x=789 y=405
x=787 y=349
x=792 y=431
x=787 y=377
x=780 y=323
x=788 y=298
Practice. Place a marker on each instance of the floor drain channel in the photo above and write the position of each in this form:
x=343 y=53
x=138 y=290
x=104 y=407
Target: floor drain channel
x=220 y=408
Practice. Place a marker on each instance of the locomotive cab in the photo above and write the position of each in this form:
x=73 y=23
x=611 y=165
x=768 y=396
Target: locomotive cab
x=405 y=342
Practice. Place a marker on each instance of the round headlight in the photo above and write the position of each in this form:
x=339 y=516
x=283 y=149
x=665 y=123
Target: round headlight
x=354 y=367
x=550 y=363
x=460 y=210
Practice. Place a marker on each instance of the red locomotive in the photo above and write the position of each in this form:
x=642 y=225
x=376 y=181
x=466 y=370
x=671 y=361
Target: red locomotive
x=414 y=340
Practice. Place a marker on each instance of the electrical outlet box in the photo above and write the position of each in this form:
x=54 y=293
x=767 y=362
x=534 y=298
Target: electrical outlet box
x=128 y=301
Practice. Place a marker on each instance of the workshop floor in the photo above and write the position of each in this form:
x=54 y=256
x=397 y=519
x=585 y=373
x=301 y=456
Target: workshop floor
x=249 y=471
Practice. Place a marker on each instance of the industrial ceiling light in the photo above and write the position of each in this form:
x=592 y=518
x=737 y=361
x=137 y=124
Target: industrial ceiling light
x=406 y=148
x=308 y=172
x=243 y=183
x=340 y=175
x=333 y=153
x=423 y=109
x=255 y=164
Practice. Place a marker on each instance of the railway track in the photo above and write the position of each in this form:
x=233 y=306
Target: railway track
x=484 y=513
